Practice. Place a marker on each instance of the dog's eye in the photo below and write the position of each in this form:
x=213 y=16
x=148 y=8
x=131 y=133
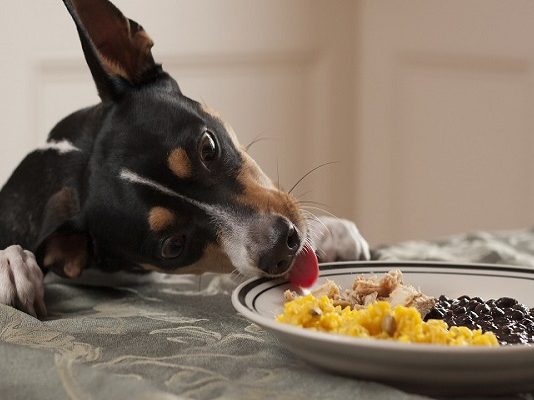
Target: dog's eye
x=208 y=148
x=173 y=246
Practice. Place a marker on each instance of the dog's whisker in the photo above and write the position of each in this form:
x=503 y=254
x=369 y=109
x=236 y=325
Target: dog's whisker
x=321 y=234
x=320 y=209
x=277 y=175
x=308 y=213
x=313 y=218
x=317 y=203
x=236 y=275
x=309 y=216
x=311 y=207
x=314 y=237
x=318 y=251
x=299 y=196
x=310 y=172
x=256 y=140
x=310 y=244
x=318 y=234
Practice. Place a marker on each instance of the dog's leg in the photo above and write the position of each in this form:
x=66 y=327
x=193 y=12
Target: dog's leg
x=39 y=206
x=337 y=239
x=21 y=281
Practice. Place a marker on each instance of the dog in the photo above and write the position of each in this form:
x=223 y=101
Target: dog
x=148 y=180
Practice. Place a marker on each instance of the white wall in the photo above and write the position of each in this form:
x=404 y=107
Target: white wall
x=445 y=105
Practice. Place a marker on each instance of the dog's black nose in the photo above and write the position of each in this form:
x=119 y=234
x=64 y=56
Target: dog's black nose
x=283 y=243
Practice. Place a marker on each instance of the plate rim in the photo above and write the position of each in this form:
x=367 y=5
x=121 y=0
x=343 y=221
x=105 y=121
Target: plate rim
x=338 y=339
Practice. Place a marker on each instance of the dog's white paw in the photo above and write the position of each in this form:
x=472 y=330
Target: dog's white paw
x=337 y=239
x=21 y=281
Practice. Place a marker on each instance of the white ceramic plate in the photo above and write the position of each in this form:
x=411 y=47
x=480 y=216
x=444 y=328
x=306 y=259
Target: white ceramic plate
x=423 y=368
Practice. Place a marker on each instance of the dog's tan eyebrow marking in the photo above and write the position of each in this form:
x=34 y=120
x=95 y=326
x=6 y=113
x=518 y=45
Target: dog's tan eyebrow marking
x=160 y=218
x=62 y=146
x=179 y=163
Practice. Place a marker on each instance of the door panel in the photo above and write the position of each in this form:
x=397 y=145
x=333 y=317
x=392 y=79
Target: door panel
x=444 y=113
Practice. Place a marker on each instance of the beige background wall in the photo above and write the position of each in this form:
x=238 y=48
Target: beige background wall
x=445 y=116
x=426 y=105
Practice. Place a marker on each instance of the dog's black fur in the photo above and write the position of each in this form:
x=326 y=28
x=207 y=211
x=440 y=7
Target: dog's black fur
x=147 y=180
x=78 y=197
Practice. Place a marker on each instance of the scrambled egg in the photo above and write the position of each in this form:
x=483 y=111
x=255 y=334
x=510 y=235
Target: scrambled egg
x=379 y=320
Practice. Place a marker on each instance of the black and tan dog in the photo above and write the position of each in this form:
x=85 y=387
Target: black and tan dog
x=147 y=179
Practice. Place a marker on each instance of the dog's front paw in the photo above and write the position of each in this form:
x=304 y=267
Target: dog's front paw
x=337 y=239
x=21 y=281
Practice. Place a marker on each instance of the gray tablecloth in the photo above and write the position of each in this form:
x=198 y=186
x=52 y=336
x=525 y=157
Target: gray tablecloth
x=153 y=336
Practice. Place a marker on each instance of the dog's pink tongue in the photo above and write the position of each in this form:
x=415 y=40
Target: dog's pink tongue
x=305 y=269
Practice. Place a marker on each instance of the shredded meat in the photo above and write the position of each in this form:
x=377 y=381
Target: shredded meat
x=290 y=295
x=367 y=290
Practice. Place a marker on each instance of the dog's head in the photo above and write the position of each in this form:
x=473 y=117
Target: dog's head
x=170 y=187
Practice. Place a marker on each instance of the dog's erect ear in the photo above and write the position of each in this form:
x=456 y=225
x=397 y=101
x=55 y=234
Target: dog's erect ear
x=62 y=245
x=115 y=47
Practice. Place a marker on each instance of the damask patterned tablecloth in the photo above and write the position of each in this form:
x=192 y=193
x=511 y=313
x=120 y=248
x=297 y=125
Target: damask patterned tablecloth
x=126 y=336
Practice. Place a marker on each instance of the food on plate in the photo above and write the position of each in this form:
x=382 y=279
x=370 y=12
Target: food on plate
x=367 y=290
x=388 y=300
x=510 y=321
x=378 y=320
